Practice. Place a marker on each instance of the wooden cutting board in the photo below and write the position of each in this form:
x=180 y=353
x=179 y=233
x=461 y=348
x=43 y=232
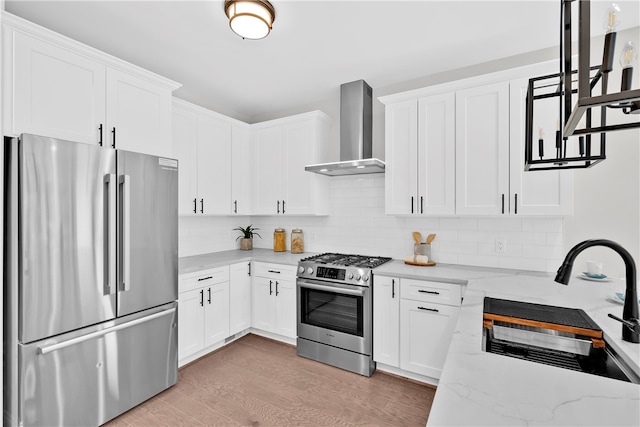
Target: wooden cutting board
x=428 y=264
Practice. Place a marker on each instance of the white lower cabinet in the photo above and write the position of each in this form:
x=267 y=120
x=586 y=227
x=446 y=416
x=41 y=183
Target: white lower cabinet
x=413 y=322
x=274 y=299
x=425 y=334
x=386 y=320
x=203 y=311
x=239 y=297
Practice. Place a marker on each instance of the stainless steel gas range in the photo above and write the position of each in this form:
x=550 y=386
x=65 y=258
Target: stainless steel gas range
x=335 y=310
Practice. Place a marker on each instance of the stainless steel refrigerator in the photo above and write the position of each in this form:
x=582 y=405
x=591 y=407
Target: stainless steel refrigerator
x=90 y=280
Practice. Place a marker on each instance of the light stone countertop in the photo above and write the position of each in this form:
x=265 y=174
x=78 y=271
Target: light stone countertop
x=195 y=263
x=479 y=388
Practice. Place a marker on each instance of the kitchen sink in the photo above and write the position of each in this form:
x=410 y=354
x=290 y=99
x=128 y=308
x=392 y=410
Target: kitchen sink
x=556 y=336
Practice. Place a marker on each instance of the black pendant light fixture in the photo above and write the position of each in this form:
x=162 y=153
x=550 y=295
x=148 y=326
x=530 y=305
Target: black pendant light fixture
x=581 y=112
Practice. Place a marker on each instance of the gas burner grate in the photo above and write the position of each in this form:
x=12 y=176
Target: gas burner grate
x=348 y=260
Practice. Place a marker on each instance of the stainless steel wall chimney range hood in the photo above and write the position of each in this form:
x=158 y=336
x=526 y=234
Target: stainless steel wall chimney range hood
x=356 y=142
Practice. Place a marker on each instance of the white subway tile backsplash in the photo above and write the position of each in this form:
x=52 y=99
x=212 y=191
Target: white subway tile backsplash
x=358 y=224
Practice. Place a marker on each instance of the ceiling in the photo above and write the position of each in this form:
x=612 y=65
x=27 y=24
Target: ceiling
x=314 y=46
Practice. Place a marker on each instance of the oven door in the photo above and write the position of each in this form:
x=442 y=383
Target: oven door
x=335 y=314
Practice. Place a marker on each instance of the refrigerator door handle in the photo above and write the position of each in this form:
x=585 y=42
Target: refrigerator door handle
x=97 y=334
x=125 y=230
x=110 y=253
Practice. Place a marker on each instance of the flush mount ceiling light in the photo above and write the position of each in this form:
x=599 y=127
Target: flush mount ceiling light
x=250 y=19
x=579 y=106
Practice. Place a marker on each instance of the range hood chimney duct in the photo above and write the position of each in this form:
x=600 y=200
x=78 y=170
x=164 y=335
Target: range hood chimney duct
x=356 y=134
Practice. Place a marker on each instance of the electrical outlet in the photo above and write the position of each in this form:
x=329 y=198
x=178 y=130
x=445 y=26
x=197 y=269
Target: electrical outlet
x=501 y=246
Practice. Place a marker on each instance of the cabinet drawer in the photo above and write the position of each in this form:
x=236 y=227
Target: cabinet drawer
x=436 y=292
x=275 y=271
x=187 y=282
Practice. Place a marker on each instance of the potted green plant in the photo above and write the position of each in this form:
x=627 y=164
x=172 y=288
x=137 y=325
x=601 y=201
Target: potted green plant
x=246 y=239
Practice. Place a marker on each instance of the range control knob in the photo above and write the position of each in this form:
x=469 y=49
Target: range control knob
x=301 y=269
x=310 y=270
x=365 y=277
x=357 y=277
x=350 y=276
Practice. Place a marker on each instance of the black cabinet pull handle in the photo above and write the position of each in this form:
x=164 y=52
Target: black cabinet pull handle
x=428 y=309
x=270 y=290
x=393 y=288
x=283 y=206
x=516 y=204
x=411 y=204
x=195 y=205
x=421 y=204
x=235 y=206
x=100 y=140
x=503 y=203
x=209 y=295
x=249 y=271
x=422 y=291
x=113 y=144
x=277 y=292
x=205 y=278
x=273 y=271
x=202 y=297
x=201 y=205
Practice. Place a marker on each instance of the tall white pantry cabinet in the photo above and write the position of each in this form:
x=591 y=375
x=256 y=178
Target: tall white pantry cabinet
x=458 y=149
x=57 y=87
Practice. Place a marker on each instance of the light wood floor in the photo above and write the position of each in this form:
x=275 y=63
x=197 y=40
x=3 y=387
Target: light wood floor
x=259 y=382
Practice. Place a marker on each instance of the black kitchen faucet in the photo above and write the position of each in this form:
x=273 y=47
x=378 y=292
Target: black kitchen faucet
x=631 y=326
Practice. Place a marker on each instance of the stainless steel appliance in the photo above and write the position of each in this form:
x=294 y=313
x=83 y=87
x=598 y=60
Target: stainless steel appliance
x=90 y=281
x=335 y=310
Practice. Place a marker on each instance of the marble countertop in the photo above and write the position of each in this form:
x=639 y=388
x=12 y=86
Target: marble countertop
x=479 y=388
x=195 y=263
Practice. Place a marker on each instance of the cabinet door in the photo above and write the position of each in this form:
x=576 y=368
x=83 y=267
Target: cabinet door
x=425 y=333
x=285 y=313
x=190 y=322
x=239 y=297
x=56 y=92
x=268 y=174
x=386 y=320
x=482 y=150
x=263 y=304
x=185 y=150
x=241 y=170
x=401 y=152
x=214 y=166
x=298 y=151
x=537 y=192
x=436 y=155
x=140 y=113
x=216 y=318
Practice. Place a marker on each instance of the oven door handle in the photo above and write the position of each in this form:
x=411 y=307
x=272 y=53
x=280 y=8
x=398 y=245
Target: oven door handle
x=336 y=289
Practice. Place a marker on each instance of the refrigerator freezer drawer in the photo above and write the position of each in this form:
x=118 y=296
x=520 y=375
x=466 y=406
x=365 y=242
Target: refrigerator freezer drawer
x=88 y=378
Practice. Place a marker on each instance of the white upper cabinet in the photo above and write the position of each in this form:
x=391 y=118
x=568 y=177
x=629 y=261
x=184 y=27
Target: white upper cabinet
x=202 y=143
x=401 y=153
x=281 y=150
x=482 y=150
x=241 y=169
x=138 y=114
x=56 y=92
x=458 y=149
x=537 y=192
x=420 y=156
x=57 y=87
x=436 y=155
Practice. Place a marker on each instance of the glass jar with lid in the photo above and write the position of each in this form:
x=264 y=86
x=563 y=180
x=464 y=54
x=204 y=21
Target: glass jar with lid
x=279 y=240
x=297 y=241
